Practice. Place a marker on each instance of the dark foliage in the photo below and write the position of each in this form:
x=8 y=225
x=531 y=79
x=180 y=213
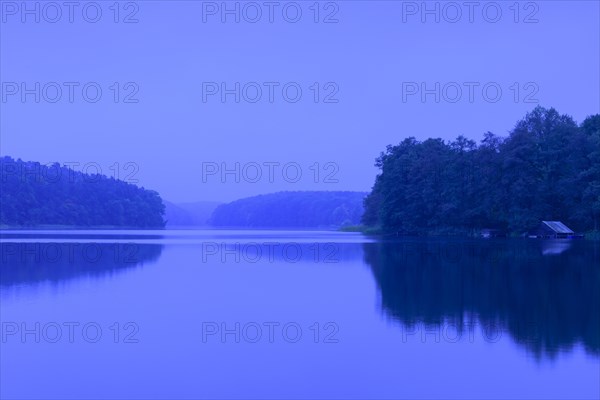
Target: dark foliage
x=32 y=194
x=292 y=210
x=547 y=169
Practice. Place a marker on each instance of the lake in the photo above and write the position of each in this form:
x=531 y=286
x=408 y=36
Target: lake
x=302 y=314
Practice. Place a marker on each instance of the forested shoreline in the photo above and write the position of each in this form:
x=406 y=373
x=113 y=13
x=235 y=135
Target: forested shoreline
x=548 y=168
x=294 y=209
x=33 y=195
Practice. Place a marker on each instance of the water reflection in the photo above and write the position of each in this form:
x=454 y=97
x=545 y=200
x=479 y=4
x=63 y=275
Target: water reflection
x=33 y=262
x=556 y=246
x=545 y=295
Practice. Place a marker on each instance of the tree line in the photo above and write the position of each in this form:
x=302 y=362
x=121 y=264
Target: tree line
x=33 y=194
x=548 y=168
x=295 y=209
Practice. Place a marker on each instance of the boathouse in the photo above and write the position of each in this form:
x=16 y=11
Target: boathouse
x=552 y=229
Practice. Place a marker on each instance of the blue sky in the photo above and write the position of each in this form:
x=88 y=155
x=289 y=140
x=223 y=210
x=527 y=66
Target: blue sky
x=370 y=68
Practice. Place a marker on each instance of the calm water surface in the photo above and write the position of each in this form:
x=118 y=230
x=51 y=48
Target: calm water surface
x=271 y=314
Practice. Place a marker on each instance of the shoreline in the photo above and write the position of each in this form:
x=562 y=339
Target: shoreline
x=452 y=233
x=368 y=231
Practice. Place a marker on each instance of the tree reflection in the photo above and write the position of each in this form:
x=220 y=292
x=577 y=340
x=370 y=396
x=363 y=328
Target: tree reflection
x=546 y=295
x=36 y=262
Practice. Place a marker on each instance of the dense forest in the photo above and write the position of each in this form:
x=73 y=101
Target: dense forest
x=292 y=210
x=32 y=194
x=548 y=168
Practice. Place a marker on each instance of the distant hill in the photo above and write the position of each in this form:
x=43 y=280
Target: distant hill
x=33 y=195
x=308 y=209
x=189 y=214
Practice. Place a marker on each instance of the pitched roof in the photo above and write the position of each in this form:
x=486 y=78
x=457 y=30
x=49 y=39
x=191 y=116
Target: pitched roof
x=558 y=227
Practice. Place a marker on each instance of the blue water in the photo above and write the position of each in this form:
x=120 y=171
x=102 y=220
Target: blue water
x=296 y=314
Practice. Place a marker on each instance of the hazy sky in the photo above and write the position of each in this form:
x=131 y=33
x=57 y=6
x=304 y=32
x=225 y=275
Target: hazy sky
x=370 y=66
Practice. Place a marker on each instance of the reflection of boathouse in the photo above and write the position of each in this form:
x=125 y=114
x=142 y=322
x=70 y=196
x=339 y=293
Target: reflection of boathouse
x=552 y=229
x=492 y=233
